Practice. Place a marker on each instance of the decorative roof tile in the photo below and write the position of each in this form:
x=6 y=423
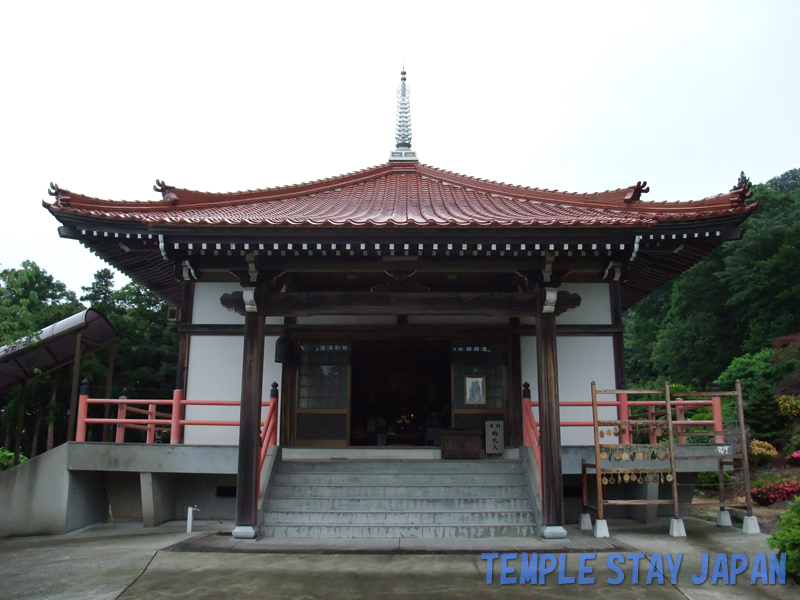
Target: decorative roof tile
x=401 y=195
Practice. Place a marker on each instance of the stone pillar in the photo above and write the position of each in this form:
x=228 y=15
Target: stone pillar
x=250 y=417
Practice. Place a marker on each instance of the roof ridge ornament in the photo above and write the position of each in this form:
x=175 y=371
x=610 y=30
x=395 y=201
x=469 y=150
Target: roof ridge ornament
x=635 y=192
x=61 y=196
x=167 y=192
x=740 y=196
x=402 y=130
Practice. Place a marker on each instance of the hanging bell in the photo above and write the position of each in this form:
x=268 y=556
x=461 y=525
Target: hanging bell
x=283 y=349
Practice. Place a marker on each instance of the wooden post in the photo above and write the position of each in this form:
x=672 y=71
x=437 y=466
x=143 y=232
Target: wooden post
x=250 y=421
x=36 y=428
x=112 y=354
x=83 y=412
x=668 y=406
x=73 y=396
x=597 y=465
x=51 y=413
x=549 y=418
x=620 y=376
x=514 y=411
x=716 y=411
x=20 y=423
x=745 y=461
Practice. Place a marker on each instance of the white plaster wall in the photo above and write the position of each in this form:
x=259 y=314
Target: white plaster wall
x=581 y=360
x=208 y=311
x=595 y=308
x=347 y=320
x=215 y=373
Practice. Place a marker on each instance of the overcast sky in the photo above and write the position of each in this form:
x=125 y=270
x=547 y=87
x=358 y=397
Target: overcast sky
x=104 y=98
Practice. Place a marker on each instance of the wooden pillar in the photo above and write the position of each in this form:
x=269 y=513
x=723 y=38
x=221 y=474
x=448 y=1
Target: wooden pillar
x=112 y=354
x=51 y=413
x=618 y=340
x=73 y=398
x=186 y=309
x=514 y=412
x=250 y=419
x=549 y=418
x=36 y=428
x=20 y=423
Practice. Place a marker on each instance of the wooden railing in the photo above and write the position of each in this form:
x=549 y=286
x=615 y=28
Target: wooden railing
x=530 y=431
x=153 y=421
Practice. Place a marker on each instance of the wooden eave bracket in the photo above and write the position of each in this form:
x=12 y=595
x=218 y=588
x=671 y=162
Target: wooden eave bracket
x=615 y=268
x=557 y=302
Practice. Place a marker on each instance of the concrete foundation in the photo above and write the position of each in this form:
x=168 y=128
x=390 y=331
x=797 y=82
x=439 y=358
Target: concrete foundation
x=41 y=496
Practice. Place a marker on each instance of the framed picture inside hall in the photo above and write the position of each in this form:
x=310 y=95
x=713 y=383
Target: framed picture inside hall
x=474 y=390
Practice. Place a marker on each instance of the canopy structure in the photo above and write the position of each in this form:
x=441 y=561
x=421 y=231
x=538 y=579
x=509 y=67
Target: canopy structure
x=57 y=345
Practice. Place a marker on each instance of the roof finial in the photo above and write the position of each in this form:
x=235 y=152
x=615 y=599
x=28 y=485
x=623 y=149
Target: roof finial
x=402 y=132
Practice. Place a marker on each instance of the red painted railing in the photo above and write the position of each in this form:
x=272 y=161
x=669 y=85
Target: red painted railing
x=530 y=431
x=154 y=421
x=680 y=422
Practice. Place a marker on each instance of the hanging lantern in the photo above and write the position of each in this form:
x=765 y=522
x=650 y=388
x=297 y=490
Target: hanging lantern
x=283 y=349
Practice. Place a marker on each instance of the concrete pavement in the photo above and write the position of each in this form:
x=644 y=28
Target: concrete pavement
x=128 y=562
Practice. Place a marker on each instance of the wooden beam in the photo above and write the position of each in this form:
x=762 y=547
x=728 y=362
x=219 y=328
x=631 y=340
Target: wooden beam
x=549 y=419
x=249 y=423
x=354 y=303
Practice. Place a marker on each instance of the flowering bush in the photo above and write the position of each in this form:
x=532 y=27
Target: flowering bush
x=795 y=458
x=761 y=452
x=789 y=406
x=770 y=491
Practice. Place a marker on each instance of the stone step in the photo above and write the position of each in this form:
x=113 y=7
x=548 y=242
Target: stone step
x=398 y=504
x=398 y=491
x=463 y=517
x=395 y=466
x=370 y=479
x=314 y=530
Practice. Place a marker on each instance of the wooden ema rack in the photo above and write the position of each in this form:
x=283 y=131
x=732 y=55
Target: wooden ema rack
x=660 y=453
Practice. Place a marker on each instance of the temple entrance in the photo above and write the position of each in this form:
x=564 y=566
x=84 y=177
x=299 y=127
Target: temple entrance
x=400 y=392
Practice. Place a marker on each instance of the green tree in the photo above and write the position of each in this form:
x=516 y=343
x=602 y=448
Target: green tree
x=760 y=374
x=736 y=301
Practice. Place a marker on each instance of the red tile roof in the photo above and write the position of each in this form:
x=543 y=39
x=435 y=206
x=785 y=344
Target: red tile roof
x=402 y=195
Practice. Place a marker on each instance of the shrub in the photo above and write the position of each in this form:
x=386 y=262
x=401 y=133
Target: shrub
x=786 y=538
x=709 y=480
x=7 y=459
x=794 y=440
x=789 y=406
x=761 y=452
x=795 y=458
x=770 y=490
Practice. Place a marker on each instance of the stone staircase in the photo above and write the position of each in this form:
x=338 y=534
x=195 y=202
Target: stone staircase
x=399 y=499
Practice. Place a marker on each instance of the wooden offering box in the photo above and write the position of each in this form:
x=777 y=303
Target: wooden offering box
x=462 y=443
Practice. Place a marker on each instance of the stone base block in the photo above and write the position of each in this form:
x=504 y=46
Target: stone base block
x=601 y=529
x=724 y=519
x=586 y=522
x=750 y=525
x=676 y=528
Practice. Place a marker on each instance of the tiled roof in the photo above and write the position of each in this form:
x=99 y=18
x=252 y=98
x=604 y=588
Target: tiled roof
x=402 y=195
